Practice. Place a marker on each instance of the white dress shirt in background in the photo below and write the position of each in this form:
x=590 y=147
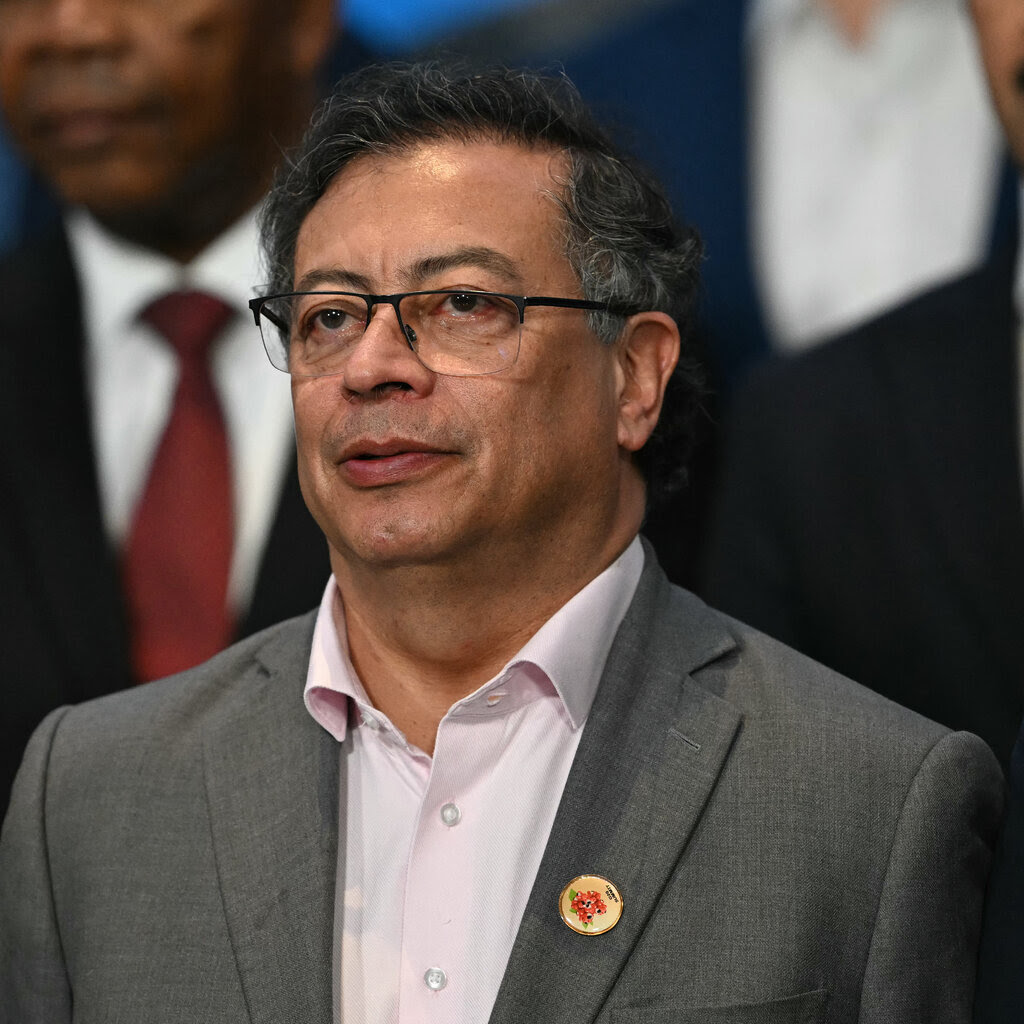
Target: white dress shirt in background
x=874 y=167
x=132 y=374
x=437 y=856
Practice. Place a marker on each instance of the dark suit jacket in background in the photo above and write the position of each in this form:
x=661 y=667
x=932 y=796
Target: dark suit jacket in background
x=63 y=625
x=790 y=847
x=672 y=82
x=870 y=513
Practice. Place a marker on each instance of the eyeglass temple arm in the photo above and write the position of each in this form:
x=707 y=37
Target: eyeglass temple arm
x=258 y=306
x=606 y=307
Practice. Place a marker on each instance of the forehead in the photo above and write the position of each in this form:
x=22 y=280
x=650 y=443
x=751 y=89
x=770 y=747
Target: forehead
x=384 y=216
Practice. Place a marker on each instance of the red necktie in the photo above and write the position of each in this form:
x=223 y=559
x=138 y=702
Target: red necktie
x=178 y=556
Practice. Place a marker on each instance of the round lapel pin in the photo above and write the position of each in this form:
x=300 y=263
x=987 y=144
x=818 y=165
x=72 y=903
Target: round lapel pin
x=590 y=905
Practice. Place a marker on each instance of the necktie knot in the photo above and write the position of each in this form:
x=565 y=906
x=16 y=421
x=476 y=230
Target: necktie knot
x=189 y=321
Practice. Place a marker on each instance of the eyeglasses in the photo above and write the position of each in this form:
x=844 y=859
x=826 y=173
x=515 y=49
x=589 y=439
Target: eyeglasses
x=456 y=333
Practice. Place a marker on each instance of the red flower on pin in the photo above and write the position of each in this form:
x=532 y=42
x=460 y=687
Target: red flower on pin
x=586 y=905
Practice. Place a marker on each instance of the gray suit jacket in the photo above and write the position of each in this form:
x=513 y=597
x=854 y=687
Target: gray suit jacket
x=789 y=846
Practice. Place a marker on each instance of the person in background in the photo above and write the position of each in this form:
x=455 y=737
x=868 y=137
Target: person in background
x=840 y=156
x=507 y=772
x=15 y=196
x=150 y=515
x=870 y=508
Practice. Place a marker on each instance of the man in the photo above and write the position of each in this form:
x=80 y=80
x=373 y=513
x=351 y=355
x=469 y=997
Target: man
x=136 y=539
x=870 y=510
x=535 y=782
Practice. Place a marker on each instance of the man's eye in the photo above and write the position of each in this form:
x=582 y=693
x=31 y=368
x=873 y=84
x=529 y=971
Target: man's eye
x=469 y=304
x=464 y=303
x=328 y=319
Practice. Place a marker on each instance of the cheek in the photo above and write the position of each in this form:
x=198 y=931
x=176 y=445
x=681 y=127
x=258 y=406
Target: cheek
x=569 y=425
x=311 y=411
x=198 y=109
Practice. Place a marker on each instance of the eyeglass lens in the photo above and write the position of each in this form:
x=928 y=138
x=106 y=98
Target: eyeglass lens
x=454 y=333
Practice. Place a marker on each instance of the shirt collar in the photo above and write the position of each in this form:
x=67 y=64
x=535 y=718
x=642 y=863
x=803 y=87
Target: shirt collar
x=119 y=278
x=570 y=649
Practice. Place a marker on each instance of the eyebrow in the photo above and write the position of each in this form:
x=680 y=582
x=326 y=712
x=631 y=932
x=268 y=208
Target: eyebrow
x=480 y=257
x=335 y=277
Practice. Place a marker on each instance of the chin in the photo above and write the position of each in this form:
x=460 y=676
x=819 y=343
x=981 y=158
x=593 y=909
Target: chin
x=110 y=190
x=393 y=543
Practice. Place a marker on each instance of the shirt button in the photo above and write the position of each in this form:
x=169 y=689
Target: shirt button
x=451 y=815
x=371 y=722
x=435 y=978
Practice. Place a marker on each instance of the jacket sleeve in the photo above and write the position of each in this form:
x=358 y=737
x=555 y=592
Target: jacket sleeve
x=34 y=984
x=921 y=962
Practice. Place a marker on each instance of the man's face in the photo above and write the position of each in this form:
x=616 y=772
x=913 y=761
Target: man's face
x=124 y=104
x=1000 y=25
x=400 y=465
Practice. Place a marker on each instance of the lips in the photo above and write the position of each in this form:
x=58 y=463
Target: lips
x=81 y=129
x=370 y=463
x=84 y=112
x=85 y=126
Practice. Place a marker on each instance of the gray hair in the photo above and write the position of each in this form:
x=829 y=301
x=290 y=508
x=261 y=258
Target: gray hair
x=620 y=237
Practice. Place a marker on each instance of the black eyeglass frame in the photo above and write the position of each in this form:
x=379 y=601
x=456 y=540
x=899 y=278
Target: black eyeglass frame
x=258 y=305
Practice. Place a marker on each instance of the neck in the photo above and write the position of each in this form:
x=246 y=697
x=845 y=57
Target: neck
x=854 y=18
x=423 y=637
x=185 y=227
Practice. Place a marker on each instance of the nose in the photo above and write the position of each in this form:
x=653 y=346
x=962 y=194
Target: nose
x=382 y=360
x=83 y=26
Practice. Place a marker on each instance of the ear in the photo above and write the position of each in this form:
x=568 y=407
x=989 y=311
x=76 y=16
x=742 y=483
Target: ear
x=648 y=350
x=313 y=28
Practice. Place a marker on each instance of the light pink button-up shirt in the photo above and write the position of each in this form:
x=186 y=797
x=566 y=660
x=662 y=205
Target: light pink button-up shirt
x=439 y=854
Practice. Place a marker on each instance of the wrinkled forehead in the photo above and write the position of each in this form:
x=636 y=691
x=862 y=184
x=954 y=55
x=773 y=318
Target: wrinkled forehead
x=384 y=213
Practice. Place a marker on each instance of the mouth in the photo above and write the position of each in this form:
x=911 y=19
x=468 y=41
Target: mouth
x=379 y=463
x=83 y=128
x=85 y=119
x=368 y=450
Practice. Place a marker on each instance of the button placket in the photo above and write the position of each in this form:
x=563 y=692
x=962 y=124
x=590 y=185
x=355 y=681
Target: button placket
x=438 y=900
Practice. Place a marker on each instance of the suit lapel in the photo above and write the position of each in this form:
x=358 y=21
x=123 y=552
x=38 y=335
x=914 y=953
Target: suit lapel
x=52 y=485
x=651 y=753
x=272 y=785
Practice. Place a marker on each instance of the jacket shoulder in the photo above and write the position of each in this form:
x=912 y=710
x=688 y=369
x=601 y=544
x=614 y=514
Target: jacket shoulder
x=795 y=707
x=169 y=714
